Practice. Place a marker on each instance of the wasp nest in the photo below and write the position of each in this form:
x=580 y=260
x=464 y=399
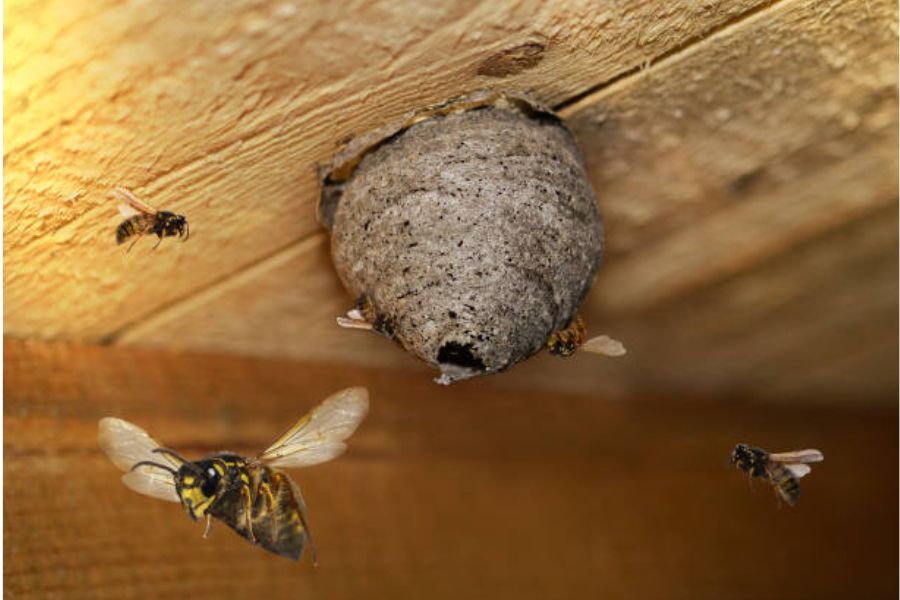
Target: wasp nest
x=467 y=232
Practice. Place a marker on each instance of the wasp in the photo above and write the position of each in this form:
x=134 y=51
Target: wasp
x=782 y=470
x=566 y=341
x=252 y=496
x=142 y=219
x=365 y=316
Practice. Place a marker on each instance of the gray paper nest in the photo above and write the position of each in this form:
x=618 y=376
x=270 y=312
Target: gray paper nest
x=470 y=228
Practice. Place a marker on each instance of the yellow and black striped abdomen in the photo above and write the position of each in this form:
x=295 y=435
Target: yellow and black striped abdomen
x=279 y=521
x=136 y=225
x=277 y=515
x=787 y=486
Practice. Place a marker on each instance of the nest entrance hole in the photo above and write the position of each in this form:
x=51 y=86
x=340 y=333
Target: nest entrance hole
x=460 y=355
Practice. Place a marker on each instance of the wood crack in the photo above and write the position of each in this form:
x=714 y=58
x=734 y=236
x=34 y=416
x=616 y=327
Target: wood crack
x=668 y=55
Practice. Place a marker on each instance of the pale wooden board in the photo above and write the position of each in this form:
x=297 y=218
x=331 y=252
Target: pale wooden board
x=221 y=111
x=499 y=494
x=688 y=159
x=816 y=324
x=719 y=201
x=287 y=305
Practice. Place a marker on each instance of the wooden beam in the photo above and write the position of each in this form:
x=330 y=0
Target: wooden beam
x=222 y=112
x=443 y=489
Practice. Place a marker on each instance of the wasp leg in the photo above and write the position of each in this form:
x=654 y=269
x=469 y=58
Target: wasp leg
x=774 y=485
x=158 y=243
x=136 y=238
x=270 y=503
x=248 y=509
x=208 y=526
x=266 y=489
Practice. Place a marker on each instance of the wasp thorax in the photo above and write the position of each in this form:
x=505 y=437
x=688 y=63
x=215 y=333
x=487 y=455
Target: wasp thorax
x=472 y=230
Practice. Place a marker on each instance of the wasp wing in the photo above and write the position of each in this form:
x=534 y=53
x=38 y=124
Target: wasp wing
x=151 y=482
x=797 y=456
x=127 y=211
x=320 y=435
x=127 y=444
x=347 y=323
x=798 y=470
x=604 y=345
x=130 y=201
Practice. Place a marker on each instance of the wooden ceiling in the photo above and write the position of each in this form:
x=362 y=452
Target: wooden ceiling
x=744 y=154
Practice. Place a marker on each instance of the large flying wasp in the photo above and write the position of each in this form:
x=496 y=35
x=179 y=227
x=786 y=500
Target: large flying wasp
x=782 y=470
x=143 y=219
x=250 y=495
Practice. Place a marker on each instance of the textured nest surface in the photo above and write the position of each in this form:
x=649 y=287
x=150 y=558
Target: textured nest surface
x=471 y=233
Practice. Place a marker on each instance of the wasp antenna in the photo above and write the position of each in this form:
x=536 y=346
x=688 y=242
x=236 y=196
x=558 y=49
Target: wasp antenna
x=171 y=453
x=150 y=463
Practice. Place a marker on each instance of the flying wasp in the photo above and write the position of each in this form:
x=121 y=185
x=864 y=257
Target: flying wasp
x=142 y=219
x=574 y=337
x=782 y=470
x=250 y=495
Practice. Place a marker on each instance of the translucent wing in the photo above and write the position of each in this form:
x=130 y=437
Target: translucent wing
x=130 y=201
x=797 y=456
x=354 y=320
x=320 y=435
x=604 y=345
x=126 y=444
x=127 y=211
x=798 y=470
x=151 y=482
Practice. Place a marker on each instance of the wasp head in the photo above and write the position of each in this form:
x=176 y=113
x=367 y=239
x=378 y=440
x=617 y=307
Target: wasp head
x=749 y=459
x=198 y=484
x=172 y=224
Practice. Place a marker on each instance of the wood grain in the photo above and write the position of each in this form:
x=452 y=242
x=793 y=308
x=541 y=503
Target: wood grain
x=718 y=158
x=735 y=244
x=222 y=112
x=443 y=490
x=817 y=323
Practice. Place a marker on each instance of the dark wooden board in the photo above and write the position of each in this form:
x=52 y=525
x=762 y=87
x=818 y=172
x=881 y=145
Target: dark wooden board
x=454 y=492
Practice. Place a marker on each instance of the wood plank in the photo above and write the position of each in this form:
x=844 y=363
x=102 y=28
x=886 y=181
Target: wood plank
x=707 y=130
x=444 y=489
x=763 y=187
x=222 y=112
x=298 y=292
x=787 y=330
